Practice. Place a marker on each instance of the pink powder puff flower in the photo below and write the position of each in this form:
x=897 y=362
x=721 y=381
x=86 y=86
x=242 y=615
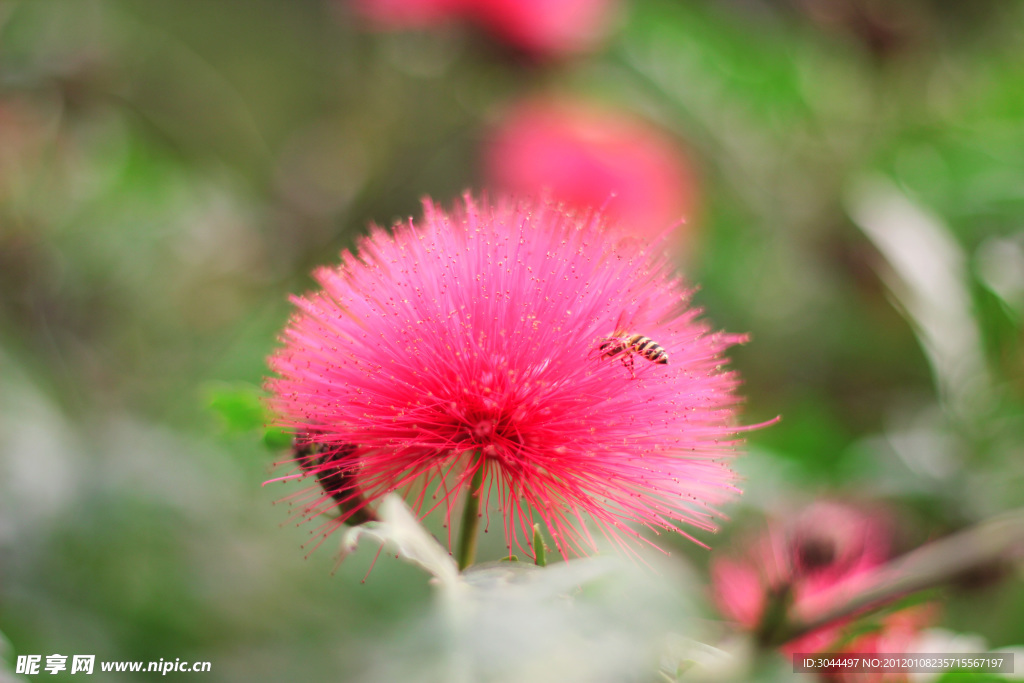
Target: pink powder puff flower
x=473 y=341
x=587 y=156
x=826 y=544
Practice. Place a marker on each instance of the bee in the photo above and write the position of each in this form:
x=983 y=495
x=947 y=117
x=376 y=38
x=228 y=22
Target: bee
x=335 y=475
x=624 y=345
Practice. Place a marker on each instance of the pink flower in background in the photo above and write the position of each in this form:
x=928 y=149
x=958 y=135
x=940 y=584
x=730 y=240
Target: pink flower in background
x=826 y=544
x=546 y=27
x=591 y=157
x=896 y=633
x=541 y=28
x=474 y=340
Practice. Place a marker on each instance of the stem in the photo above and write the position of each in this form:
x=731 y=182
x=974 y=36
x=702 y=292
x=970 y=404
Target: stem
x=470 y=518
x=773 y=619
x=539 y=550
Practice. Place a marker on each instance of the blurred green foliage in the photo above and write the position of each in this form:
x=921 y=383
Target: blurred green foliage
x=169 y=172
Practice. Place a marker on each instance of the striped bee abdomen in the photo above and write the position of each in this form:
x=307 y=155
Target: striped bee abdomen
x=648 y=348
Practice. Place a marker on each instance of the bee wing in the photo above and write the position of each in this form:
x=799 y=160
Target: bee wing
x=620 y=324
x=596 y=350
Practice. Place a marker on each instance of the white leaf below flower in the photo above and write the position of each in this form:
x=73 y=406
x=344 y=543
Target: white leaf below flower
x=399 y=529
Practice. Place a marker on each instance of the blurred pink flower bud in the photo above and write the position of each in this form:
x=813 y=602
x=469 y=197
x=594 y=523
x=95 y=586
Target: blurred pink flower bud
x=540 y=28
x=591 y=157
x=546 y=28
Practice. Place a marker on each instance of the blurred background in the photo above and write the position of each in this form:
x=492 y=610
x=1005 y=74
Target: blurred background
x=844 y=179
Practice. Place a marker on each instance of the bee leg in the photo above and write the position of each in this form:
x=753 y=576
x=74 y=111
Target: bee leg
x=627 y=360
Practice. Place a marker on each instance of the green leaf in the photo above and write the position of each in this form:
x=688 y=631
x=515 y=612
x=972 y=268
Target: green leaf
x=239 y=406
x=971 y=677
x=276 y=438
